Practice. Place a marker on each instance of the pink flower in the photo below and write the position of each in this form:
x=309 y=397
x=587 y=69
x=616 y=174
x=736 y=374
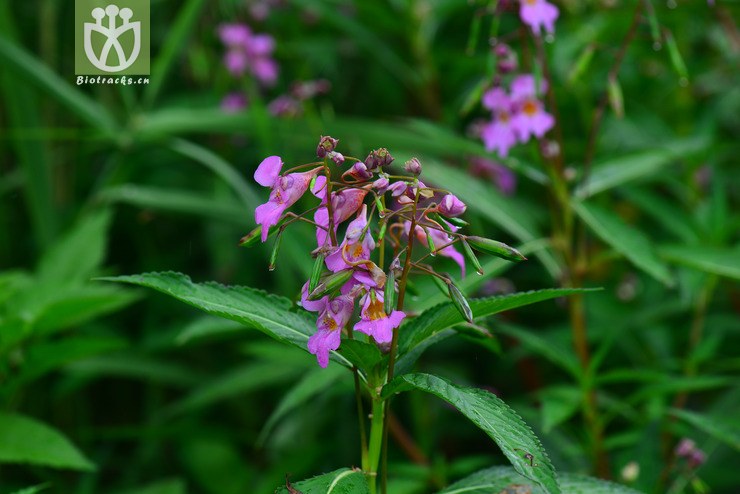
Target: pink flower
x=374 y=321
x=532 y=119
x=499 y=135
x=504 y=178
x=357 y=245
x=496 y=99
x=537 y=14
x=344 y=204
x=451 y=206
x=330 y=323
x=234 y=34
x=286 y=190
x=236 y=62
x=312 y=305
x=283 y=106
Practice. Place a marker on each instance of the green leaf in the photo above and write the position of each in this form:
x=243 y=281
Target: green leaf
x=237 y=382
x=627 y=240
x=208 y=326
x=269 y=314
x=77 y=255
x=496 y=480
x=175 y=41
x=443 y=316
x=35 y=489
x=559 y=403
x=132 y=366
x=364 y=355
x=176 y=201
x=167 y=486
x=724 y=262
x=616 y=99
x=495 y=418
x=716 y=427
x=562 y=357
x=342 y=481
x=313 y=383
x=25 y=440
x=17 y=59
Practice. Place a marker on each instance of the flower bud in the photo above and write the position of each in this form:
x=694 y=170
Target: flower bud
x=330 y=283
x=255 y=235
x=461 y=303
x=413 y=167
x=451 y=206
x=274 y=253
x=377 y=158
x=381 y=185
x=360 y=171
x=318 y=268
x=336 y=157
x=389 y=297
x=471 y=257
x=685 y=447
x=326 y=145
x=505 y=59
x=697 y=458
x=498 y=249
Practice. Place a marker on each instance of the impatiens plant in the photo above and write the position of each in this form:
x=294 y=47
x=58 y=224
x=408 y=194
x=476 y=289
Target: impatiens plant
x=378 y=226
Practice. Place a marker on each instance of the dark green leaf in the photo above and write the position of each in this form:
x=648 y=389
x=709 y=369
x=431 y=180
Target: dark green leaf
x=24 y=440
x=342 y=481
x=724 y=262
x=495 y=418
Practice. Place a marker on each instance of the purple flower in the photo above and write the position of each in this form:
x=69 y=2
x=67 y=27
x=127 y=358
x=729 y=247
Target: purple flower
x=234 y=35
x=265 y=70
x=451 y=206
x=284 y=105
x=413 y=166
x=496 y=99
x=327 y=144
x=532 y=119
x=344 y=204
x=525 y=86
x=236 y=62
x=286 y=190
x=330 y=323
x=374 y=321
x=312 y=305
x=537 y=14
x=357 y=245
x=233 y=102
x=381 y=185
x=499 y=135
x=685 y=447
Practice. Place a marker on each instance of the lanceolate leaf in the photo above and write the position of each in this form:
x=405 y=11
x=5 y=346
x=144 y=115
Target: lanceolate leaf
x=497 y=479
x=718 y=429
x=24 y=440
x=445 y=315
x=626 y=240
x=495 y=418
x=254 y=308
x=724 y=262
x=342 y=481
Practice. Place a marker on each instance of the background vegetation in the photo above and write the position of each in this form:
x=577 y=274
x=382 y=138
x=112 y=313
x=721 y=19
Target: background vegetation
x=131 y=392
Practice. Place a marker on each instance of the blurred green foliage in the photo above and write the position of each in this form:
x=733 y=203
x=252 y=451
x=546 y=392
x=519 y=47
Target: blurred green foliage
x=103 y=180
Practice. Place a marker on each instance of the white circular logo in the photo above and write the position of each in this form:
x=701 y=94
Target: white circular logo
x=112 y=32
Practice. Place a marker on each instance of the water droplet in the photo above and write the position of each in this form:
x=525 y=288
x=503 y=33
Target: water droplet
x=549 y=38
x=671 y=4
x=683 y=82
x=657 y=46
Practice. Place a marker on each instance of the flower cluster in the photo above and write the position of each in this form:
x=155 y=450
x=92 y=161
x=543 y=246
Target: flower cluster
x=368 y=265
x=247 y=52
x=516 y=115
x=687 y=449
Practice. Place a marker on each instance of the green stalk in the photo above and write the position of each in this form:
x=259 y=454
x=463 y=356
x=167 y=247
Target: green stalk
x=375 y=445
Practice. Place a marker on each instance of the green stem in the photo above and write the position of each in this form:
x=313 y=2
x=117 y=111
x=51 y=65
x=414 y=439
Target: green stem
x=375 y=445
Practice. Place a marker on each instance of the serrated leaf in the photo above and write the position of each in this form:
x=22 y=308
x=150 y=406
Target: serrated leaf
x=495 y=418
x=315 y=382
x=25 y=440
x=627 y=240
x=342 y=481
x=254 y=308
x=495 y=481
x=716 y=427
x=724 y=262
x=444 y=316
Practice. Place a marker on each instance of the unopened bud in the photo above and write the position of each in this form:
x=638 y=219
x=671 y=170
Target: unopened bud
x=381 y=185
x=274 y=253
x=336 y=157
x=360 y=171
x=389 y=297
x=498 y=249
x=326 y=145
x=461 y=303
x=413 y=167
x=471 y=257
x=330 y=283
x=451 y=206
x=318 y=268
x=378 y=275
x=377 y=158
x=255 y=235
